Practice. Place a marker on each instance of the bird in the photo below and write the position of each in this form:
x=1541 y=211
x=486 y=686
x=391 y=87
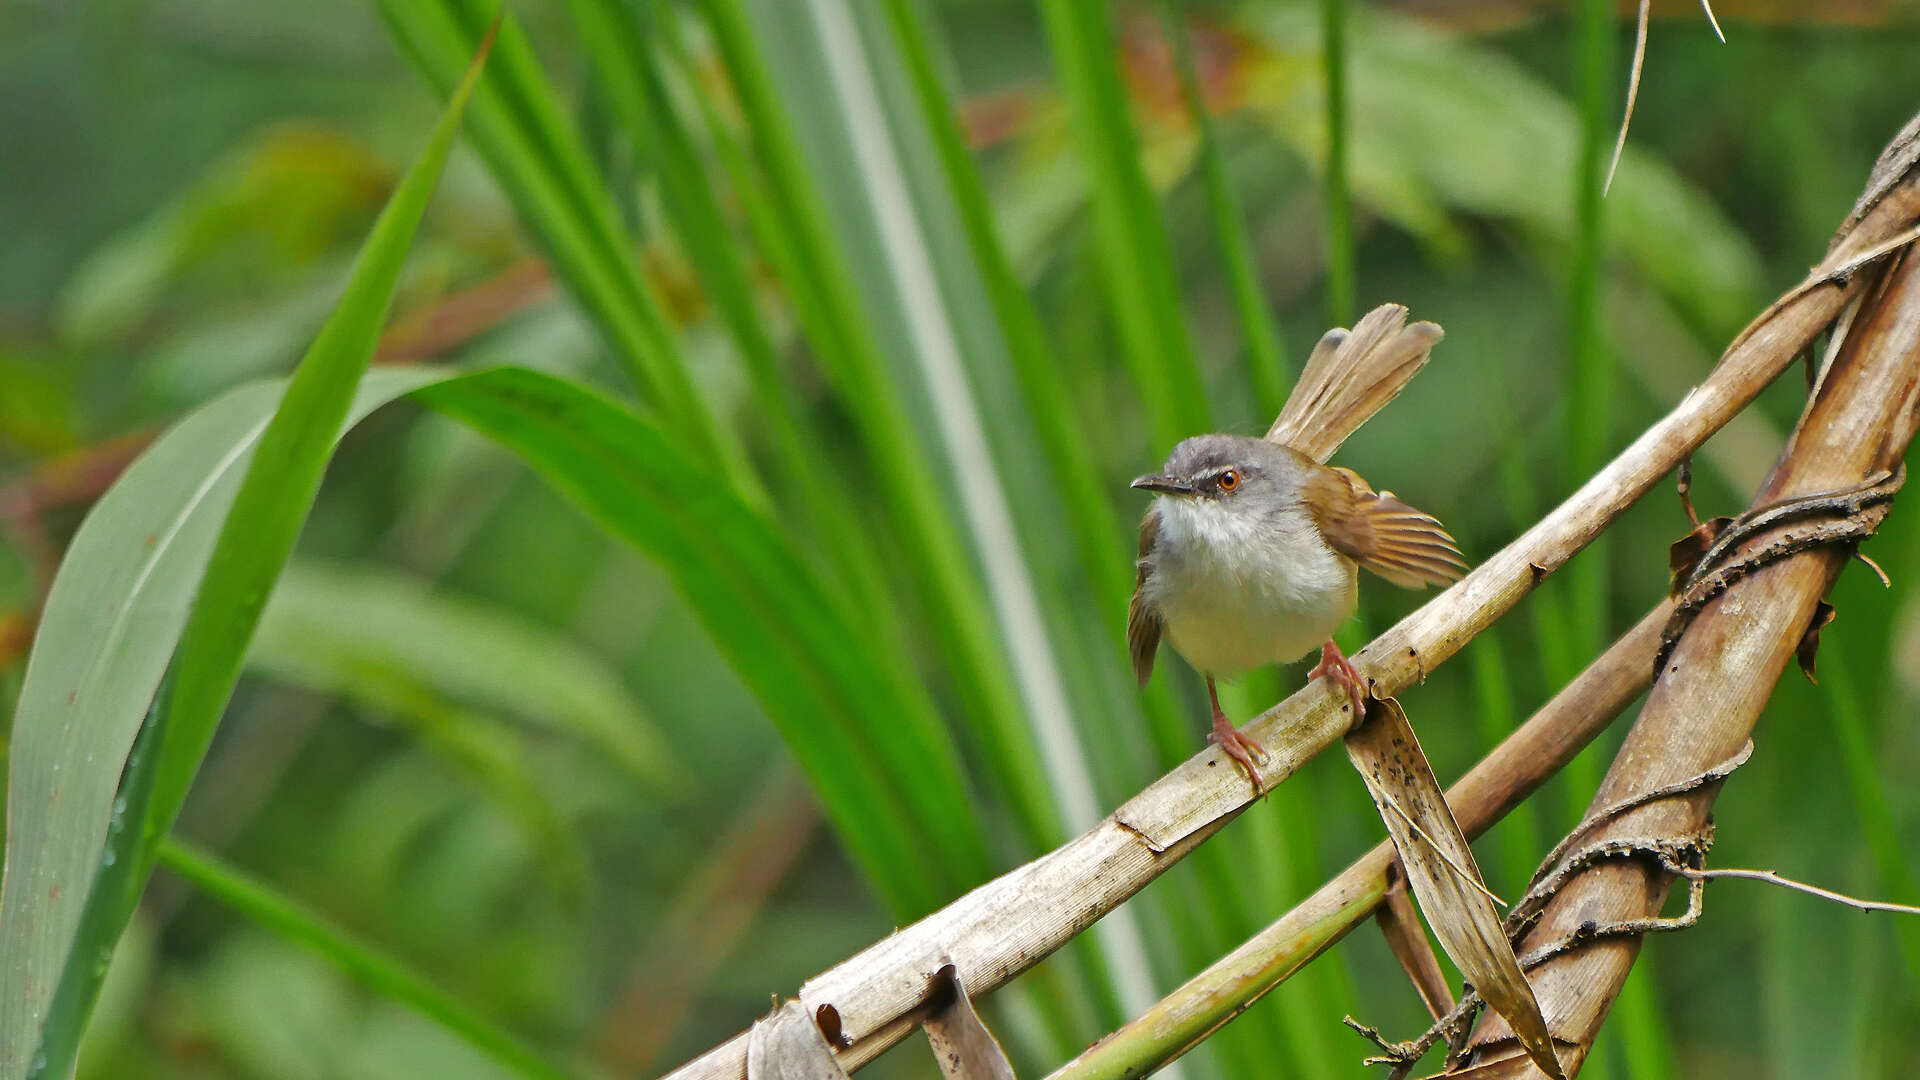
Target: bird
x=1250 y=551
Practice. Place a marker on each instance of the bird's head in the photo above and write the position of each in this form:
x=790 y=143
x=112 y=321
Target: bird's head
x=1228 y=469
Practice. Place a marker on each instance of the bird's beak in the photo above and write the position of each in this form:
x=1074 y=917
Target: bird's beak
x=1166 y=485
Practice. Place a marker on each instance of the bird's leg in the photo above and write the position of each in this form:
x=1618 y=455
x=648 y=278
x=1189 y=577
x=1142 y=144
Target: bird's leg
x=1238 y=747
x=1335 y=665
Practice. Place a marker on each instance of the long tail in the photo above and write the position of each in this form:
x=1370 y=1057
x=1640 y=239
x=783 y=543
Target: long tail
x=1349 y=377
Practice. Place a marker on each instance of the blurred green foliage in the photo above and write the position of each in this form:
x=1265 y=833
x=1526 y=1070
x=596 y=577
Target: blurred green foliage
x=442 y=742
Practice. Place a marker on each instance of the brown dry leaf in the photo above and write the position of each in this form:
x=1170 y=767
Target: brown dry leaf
x=962 y=1045
x=1443 y=875
x=1408 y=940
x=1684 y=554
x=1513 y=1068
x=1809 y=647
x=787 y=1045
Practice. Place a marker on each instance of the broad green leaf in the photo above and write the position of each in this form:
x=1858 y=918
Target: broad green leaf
x=268 y=509
x=111 y=622
x=799 y=653
x=333 y=628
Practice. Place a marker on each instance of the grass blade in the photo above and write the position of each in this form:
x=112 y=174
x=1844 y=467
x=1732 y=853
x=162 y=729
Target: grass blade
x=814 y=268
x=864 y=730
x=1104 y=547
x=1136 y=264
x=1341 y=287
x=639 y=97
x=521 y=130
x=1049 y=403
x=381 y=973
x=259 y=531
x=905 y=251
x=1262 y=336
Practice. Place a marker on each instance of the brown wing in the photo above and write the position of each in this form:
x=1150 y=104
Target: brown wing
x=1349 y=377
x=1381 y=533
x=1143 y=622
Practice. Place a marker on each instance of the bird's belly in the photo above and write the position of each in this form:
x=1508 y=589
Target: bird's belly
x=1270 y=608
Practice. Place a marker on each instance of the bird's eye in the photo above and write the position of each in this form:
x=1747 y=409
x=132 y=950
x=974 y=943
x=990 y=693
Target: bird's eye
x=1229 y=480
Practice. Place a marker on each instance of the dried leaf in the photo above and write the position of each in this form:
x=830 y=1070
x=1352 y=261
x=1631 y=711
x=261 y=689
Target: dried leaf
x=1513 y=1068
x=962 y=1045
x=1442 y=873
x=1809 y=647
x=786 y=1045
x=1684 y=554
x=1408 y=940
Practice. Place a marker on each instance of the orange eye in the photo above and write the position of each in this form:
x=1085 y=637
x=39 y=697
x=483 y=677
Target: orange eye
x=1229 y=480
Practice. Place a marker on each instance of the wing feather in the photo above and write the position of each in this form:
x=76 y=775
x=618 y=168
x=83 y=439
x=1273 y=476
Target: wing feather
x=1378 y=531
x=1143 y=619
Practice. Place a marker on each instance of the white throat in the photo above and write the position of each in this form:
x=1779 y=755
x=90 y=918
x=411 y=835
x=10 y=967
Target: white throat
x=1236 y=590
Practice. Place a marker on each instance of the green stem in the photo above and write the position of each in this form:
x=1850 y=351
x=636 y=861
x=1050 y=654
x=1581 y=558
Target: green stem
x=1341 y=286
x=1590 y=404
x=1265 y=365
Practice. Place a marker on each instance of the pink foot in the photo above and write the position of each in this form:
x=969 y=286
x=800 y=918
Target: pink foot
x=1335 y=666
x=1240 y=748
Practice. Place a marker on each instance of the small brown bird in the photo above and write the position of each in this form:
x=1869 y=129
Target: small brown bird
x=1248 y=555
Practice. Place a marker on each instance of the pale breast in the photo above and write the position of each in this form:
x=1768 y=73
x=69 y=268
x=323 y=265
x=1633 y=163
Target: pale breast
x=1236 y=594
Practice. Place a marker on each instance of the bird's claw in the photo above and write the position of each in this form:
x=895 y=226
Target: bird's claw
x=1240 y=748
x=1335 y=666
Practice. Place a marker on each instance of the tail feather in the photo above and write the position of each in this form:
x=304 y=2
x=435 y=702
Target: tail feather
x=1351 y=376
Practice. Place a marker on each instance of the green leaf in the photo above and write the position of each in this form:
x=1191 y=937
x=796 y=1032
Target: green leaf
x=1135 y=264
x=864 y=730
x=268 y=509
x=1342 y=273
x=110 y=625
x=814 y=266
x=1444 y=125
x=639 y=96
x=1050 y=407
x=867 y=733
x=1257 y=327
x=111 y=622
x=331 y=628
x=519 y=126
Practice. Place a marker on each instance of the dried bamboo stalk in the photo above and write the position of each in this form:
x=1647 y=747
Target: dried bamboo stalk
x=1501 y=781
x=994 y=932
x=1717 y=679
